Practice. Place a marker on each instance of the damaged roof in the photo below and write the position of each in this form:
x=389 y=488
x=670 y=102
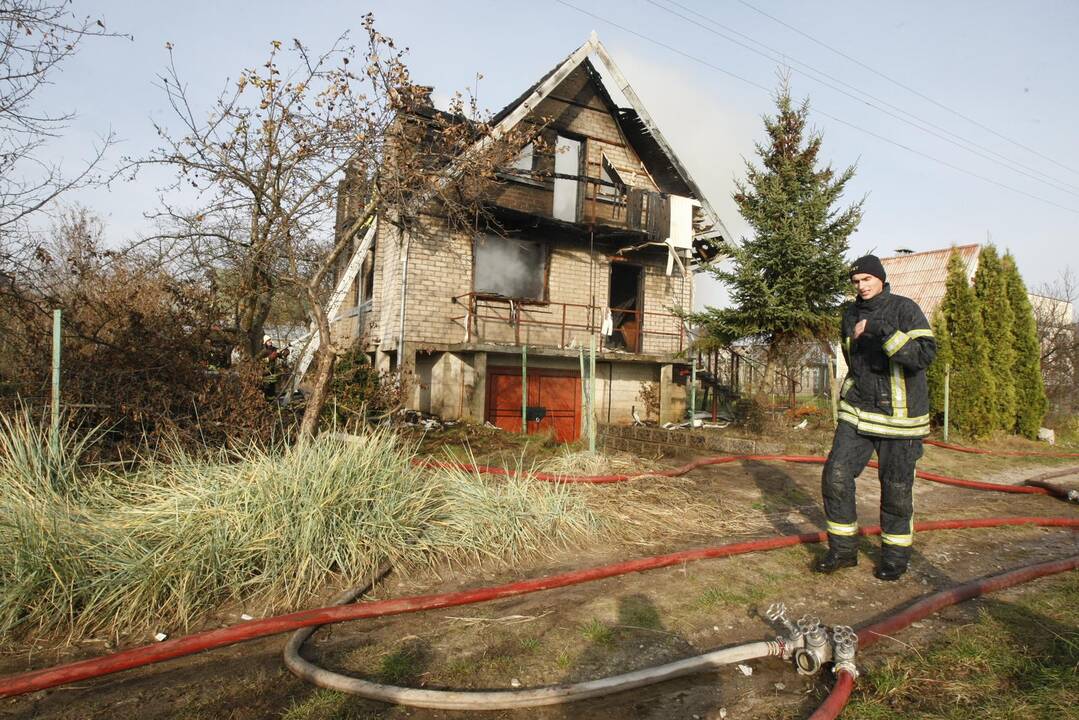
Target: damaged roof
x=637 y=125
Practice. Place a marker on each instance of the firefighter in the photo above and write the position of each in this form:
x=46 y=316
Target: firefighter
x=883 y=407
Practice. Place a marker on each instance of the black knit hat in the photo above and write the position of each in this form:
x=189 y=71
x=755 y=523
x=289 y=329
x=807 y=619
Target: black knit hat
x=870 y=265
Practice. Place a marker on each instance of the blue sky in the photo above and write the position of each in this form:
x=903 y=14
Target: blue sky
x=1009 y=66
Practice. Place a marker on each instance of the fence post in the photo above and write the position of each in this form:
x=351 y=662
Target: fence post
x=584 y=392
x=592 y=392
x=54 y=427
x=947 y=396
x=524 y=389
x=833 y=390
x=693 y=393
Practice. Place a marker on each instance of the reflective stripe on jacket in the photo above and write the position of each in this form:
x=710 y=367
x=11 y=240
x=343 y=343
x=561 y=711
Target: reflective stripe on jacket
x=885 y=393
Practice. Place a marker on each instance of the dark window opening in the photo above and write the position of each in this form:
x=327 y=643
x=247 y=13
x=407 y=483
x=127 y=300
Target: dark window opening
x=368 y=272
x=509 y=268
x=626 y=304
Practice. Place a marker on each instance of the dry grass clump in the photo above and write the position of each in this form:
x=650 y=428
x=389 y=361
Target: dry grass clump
x=651 y=510
x=99 y=551
x=584 y=462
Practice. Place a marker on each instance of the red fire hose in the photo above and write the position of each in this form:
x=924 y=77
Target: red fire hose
x=1005 y=453
x=1041 y=489
x=199 y=642
x=837 y=699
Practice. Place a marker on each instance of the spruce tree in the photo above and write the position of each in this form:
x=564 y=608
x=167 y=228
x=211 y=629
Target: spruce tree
x=1030 y=400
x=998 y=320
x=788 y=280
x=972 y=386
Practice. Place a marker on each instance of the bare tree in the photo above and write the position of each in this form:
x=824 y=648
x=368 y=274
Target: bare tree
x=36 y=38
x=1058 y=337
x=267 y=160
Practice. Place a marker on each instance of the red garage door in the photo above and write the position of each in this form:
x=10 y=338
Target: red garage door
x=554 y=394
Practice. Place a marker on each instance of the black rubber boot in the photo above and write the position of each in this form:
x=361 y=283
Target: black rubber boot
x=890 y=569
x=835 y=560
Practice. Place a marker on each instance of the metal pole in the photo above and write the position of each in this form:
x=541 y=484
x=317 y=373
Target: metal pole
x=54 y=428
x=584 y=392
x=947 y=396
x=833 y=386
x=524 y=389
x=592 y=393
x=693 y=394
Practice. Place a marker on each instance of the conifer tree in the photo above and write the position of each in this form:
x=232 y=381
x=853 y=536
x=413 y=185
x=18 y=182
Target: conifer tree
x=788 y=280
x=1031 y=402
x=998 y=320
x=972 y=386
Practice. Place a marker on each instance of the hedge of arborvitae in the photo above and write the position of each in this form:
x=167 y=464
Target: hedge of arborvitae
x=998 y=321
x=988 y=336
x=1031 y=403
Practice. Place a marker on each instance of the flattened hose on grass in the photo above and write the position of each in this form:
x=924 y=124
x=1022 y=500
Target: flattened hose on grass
x=1003 y=453
x=725 y=459
x=868 y=635
x=209 y=640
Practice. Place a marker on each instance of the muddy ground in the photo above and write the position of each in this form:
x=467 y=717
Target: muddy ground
x=614 y=625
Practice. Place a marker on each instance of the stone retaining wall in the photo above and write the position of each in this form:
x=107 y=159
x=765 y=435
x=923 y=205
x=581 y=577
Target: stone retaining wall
x=651 y=441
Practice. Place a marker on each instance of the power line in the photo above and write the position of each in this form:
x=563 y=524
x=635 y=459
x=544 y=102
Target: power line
x=757 y=85
x=909 y=89
x=807 y=69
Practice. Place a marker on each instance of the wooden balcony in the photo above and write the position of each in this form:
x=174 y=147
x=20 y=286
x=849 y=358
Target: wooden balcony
x=501 y=321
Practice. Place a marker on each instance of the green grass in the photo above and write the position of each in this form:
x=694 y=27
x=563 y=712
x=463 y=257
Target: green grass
x=597 y=632
x=323 y=704
x=1019 y=659
x=400 y=667
x=89 y=550
x=720 y=597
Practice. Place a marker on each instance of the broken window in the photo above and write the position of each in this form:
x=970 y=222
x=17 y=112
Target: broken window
x=367 y=289
x=624 y=303
x=523 y=162
x=509 y=267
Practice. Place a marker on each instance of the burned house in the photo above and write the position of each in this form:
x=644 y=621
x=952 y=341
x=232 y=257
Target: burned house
x=598 y=237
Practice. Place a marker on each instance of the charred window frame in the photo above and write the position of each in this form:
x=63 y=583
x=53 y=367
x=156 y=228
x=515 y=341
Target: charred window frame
x=522 y=169
x=510 y=268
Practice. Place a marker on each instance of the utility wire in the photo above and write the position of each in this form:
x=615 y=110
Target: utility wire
x=925 y=125
x=768 y=90
x=909 y=89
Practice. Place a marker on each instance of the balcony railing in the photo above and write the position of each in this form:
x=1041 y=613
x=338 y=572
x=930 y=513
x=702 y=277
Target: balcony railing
x=497 y=320
x=615 y=205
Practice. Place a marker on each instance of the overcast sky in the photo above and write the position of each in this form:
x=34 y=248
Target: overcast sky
x=995 y=77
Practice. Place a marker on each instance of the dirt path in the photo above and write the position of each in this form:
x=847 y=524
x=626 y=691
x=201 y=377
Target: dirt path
x=614 y=625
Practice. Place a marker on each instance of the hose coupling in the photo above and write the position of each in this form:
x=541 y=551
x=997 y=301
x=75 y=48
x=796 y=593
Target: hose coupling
x=1073 y=496
x=809 y=659
x=844 y=645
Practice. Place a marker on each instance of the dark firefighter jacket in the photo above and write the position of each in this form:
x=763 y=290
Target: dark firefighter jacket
x=885 y=392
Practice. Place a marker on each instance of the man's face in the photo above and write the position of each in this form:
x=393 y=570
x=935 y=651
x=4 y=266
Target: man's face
x=867 y=286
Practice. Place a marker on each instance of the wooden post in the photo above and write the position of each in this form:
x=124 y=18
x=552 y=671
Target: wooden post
x=524 y=389
x=54 y=427
x=947 y=398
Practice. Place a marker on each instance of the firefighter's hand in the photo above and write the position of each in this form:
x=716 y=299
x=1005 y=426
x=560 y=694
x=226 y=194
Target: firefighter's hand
x=859 y=328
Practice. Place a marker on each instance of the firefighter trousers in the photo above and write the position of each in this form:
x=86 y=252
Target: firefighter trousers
x=849 y=455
